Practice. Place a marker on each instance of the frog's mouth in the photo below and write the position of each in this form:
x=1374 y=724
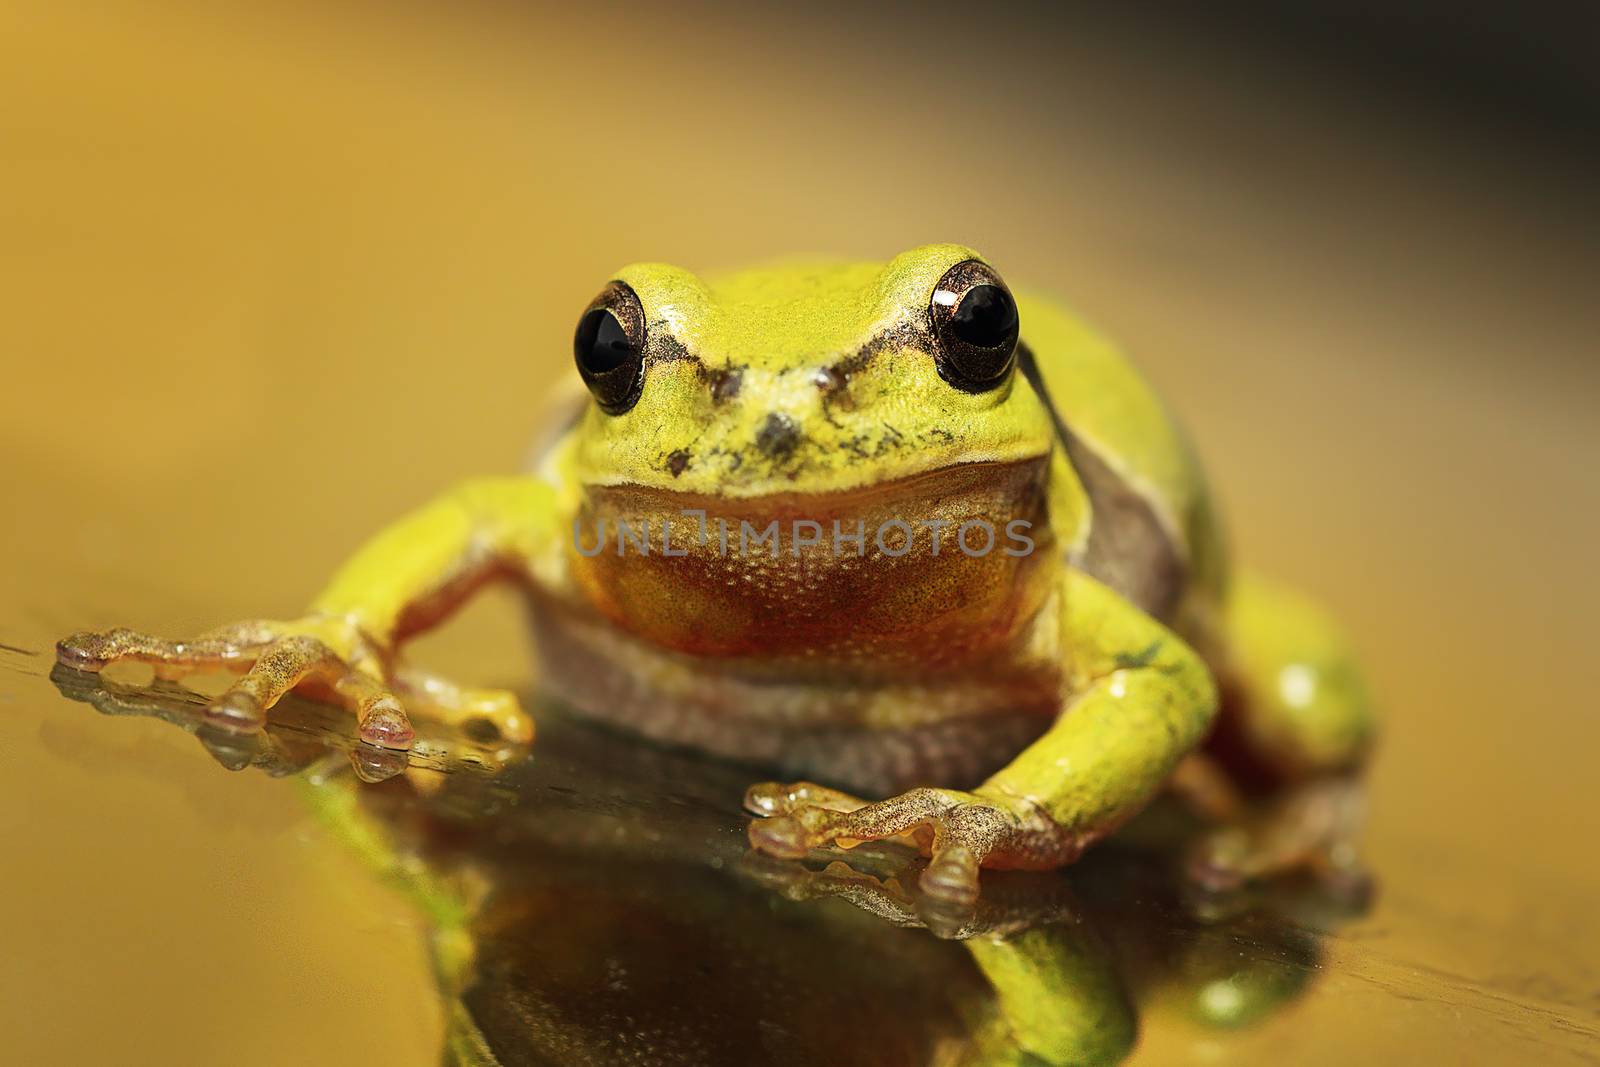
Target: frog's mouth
x=995 y=493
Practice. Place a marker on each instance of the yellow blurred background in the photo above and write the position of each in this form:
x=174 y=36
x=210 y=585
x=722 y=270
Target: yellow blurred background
x=272 y=273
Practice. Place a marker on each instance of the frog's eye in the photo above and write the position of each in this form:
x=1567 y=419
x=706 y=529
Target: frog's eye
x=609 y=348
x=975 y=320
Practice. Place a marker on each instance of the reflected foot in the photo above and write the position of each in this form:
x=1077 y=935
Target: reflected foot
x=1013 y=902
x=888 y=899
x=304 y=737
x=959 y=832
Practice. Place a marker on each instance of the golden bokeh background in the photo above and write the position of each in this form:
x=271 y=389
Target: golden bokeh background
x=273 y=273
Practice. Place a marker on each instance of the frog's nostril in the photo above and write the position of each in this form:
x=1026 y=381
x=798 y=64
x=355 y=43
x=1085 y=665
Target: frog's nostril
x=778 y=435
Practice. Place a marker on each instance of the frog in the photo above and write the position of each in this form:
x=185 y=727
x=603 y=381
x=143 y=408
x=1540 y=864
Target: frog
x=931 y=551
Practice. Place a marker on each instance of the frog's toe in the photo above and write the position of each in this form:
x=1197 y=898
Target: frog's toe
x=779 y=798
x=236 y=712
x=951 y=879
x=809 y=826
x=87 y=651
x=804 y=819
x=781 y=836
x=231 y=749
x=503 y=711
x=374 y=764
x=387 y=726
x=288 y=662
x=442 y=700
x=1343 y=875
x=797 y=817
x=787 y=878
x=769 y=799
x=94 y=650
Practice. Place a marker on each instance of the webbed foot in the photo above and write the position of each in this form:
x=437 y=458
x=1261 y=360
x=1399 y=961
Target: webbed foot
x=1312 y=829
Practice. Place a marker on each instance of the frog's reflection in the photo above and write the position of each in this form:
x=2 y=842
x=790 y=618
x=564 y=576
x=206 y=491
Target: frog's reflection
x=594 y=902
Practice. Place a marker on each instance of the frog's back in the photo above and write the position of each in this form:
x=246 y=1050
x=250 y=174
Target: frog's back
x=1154 y=534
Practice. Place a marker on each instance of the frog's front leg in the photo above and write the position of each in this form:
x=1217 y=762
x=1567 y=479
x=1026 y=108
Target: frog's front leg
x=405 y=580
x=1141 y=700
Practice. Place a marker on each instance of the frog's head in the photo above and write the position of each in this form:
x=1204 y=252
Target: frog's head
x=803 y=378
x=811 y=401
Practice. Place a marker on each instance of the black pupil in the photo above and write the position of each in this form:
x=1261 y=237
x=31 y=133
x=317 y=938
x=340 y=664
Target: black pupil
x=602 y=344
x=986 y=317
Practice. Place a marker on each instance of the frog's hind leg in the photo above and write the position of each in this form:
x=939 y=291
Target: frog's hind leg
x=1295 y=727
x=1294 y=703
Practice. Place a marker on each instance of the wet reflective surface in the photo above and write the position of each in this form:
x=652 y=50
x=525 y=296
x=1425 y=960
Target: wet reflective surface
x=591 y=900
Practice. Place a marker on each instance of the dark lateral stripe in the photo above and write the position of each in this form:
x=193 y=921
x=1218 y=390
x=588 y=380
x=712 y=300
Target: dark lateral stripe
x=1030 y=370
x=1129 y=549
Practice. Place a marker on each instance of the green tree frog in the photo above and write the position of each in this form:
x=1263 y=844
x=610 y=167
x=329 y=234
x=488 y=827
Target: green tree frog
x=931 y=548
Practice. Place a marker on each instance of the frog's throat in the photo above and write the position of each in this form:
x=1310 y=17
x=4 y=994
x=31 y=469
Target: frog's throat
x=950 y=563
